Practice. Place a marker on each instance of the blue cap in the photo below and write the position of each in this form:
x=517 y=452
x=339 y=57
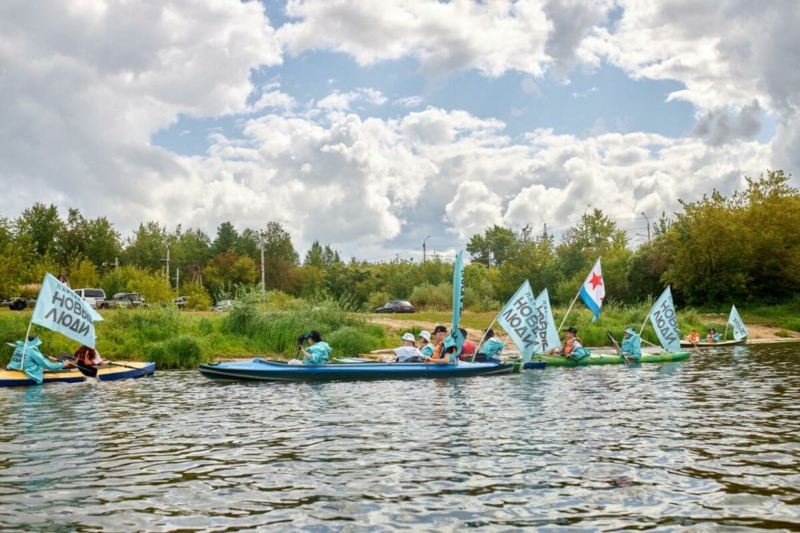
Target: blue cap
x=630 y=331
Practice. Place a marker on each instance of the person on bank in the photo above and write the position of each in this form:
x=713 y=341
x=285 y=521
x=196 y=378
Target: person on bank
x=693 y=337
x=491 y=347
x=572 y=346
x=631 y=348
x=712 y=336
x=426 y=348
x=34 y=363
x=318 y=350
x=408 y=352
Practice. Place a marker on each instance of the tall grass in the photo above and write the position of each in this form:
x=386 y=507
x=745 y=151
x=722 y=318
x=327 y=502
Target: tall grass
x=274 y=331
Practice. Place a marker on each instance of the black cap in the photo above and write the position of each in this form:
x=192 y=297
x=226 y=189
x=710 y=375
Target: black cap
x=440 y=329
x=572 y=330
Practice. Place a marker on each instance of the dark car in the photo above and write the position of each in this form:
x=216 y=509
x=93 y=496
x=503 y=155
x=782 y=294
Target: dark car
x=396 y=306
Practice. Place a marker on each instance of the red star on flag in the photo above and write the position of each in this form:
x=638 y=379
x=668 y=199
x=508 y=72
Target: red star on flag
x=596 y=280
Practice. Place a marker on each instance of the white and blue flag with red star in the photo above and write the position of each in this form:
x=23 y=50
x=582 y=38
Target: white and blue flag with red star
x=594 y=290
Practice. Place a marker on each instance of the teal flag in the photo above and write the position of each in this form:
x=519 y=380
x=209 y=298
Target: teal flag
x=458 y=301
x=739 y=330
x=520 y=319
x=548 y=335
x=59 y=309
x=665 y=322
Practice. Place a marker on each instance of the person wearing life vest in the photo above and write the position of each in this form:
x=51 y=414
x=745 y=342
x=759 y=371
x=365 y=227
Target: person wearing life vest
x=693 y=337
x=712 y=336
x=631 y=348
x=33 y=363
x=491 y=347
x=445 y=351
x=572 y=347
x=468 y=348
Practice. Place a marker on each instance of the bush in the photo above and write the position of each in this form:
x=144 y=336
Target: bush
x=197 y=298
x=433 y=297
x=351 y=341
x=178 y=352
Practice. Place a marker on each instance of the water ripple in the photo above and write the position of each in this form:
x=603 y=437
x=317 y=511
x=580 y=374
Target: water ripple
x=703 y=445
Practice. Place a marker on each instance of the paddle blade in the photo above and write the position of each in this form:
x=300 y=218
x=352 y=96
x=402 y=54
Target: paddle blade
x=88 y=371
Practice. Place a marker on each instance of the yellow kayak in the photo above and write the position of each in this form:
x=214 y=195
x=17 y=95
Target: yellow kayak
x=130 y=370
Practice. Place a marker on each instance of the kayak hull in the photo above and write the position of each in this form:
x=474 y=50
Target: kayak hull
x=260 y=370
x=704 y=344
x=15 y=378
x=609 y=359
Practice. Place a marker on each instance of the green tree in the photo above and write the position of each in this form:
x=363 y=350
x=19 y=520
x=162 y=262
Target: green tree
x=493 y=247
x=42 y=225
x=103 y=244
x=227 y=238
x=147 y=247
x=280 y=259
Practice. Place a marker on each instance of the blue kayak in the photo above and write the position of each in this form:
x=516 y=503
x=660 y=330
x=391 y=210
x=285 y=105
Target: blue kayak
x=261 y=370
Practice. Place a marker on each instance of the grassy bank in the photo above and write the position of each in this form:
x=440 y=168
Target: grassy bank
x=183 y=339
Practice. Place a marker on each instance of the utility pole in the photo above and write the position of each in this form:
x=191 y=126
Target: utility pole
x=648 y=226
x=178 y=280
x=167 y=262
x=424 y=257
x=263 y=278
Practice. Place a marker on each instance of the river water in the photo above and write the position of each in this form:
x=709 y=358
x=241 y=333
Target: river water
x=708 y=444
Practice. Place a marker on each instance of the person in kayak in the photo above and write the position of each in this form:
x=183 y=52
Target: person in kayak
x=425 y=340
x=34 y=363
x=89 y=357
x=492 y=346
x=445 y=352
x=712 y=336
x=318 y=350
x=572 y=347
x=631 y=348
x=693 y=337
x=468 y=348
x=408 y=352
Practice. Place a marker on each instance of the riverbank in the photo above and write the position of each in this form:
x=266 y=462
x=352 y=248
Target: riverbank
x=176 y=339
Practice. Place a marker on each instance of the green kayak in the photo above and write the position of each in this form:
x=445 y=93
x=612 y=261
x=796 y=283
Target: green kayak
x=610 y=359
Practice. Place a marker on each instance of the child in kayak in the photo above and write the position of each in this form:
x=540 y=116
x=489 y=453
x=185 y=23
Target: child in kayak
x=693 y=337
x=712 y=336
x=426 y=348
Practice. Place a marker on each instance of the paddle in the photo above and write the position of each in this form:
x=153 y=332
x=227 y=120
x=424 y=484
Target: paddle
x=610 y=336
x=88 y=371
x=71 y=358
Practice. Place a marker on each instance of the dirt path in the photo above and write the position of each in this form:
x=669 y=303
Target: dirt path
x=758 y=333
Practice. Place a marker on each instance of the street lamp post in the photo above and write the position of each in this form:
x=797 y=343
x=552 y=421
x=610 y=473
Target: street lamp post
x=648 y=226
x=423 y=249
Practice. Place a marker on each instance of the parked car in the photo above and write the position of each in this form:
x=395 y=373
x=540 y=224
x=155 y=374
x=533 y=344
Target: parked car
x=180 y=301
x=222 y=306
x=96 y=298
x=396 y=306
x=18 y=303
x=129 y=299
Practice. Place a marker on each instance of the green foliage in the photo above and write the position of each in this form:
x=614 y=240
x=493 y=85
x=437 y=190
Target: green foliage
x=82 y=273
x=197 y=298
x=433 y=297
x=178 y=352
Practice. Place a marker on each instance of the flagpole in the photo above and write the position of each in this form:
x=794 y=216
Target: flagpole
x=478 y=347
x=644 y=324
x=25 y=347
x=568 y=310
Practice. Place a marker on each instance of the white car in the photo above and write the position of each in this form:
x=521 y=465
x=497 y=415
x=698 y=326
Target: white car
x=96 y=298
x=223 y=305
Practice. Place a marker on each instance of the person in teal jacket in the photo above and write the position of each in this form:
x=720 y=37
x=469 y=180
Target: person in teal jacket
x=491 y=346
x=34 y=363
x=427 y=347
x=631 y=348
x=317 y=352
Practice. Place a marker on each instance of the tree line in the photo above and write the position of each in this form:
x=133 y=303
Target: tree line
x=718 y=250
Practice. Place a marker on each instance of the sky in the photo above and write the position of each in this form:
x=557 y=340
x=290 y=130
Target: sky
x=377 y=126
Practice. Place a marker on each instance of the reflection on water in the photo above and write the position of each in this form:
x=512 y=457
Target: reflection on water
x=706 y=444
